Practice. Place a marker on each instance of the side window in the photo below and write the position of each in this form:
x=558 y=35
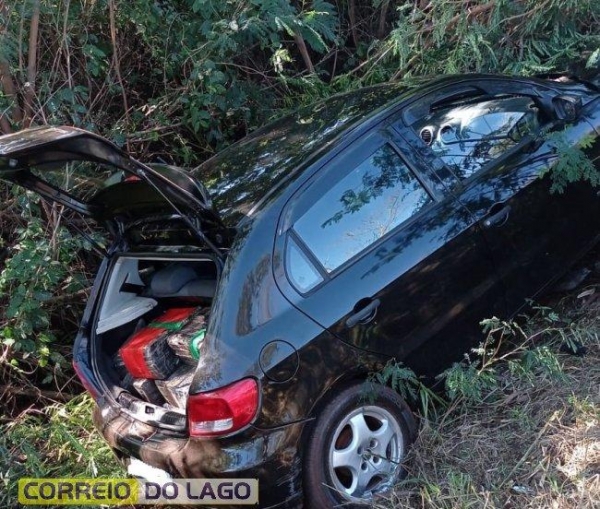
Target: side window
x=301 y=272
x=356 y=210
x=468 y=135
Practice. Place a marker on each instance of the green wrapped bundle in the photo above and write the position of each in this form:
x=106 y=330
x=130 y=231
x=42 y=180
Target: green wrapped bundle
x=186 y=342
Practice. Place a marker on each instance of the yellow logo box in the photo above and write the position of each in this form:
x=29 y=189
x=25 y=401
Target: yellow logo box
x=77 y=491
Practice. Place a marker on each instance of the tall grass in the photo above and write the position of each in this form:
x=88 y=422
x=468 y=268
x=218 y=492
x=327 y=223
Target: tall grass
x=522 y=425
x=56 y=441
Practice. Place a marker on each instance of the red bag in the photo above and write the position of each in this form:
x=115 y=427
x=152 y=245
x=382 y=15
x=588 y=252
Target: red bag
x=146 y=354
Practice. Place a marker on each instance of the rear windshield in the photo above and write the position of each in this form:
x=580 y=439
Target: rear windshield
x=80 y=179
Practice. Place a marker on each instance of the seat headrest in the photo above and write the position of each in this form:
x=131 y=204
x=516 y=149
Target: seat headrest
x=168 y=281
x=180 y=280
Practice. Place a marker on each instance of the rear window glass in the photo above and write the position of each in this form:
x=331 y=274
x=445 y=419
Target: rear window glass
x=372 y=199
x=80 y=179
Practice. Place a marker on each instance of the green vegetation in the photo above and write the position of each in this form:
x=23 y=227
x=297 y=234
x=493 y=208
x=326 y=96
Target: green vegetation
x=519 y=424
x=179 y=80
x=57 y=441
x=572 y=164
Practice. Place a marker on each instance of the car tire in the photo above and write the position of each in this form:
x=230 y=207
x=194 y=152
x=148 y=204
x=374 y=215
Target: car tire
x=356 y=446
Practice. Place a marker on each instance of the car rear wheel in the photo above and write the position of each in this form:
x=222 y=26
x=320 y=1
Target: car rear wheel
x=356 y=446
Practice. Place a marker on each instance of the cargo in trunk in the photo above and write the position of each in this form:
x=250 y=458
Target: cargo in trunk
x=148 y=355
x=186 y=342
x=161 y=344
x=175 y=388
x=148 y=390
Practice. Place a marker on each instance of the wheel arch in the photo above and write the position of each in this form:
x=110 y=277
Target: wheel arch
x=344 y=381
x=342 y=396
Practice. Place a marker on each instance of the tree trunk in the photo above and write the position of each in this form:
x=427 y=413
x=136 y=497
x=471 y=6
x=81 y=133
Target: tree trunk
x=30 y=94
x=7 y=82
x=117 y=63
x=382 y=18
x=352 y=19
x=304 y=52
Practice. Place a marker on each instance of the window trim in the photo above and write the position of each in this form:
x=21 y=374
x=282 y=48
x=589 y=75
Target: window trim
x=292 y=236
x=375 y=140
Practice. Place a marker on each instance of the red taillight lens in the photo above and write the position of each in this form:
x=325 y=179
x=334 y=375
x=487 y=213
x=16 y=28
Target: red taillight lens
x=223 y=411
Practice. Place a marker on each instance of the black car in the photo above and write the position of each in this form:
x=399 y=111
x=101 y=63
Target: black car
x=241 y=306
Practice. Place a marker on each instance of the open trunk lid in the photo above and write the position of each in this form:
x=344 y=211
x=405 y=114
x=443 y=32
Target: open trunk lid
x=95 y=178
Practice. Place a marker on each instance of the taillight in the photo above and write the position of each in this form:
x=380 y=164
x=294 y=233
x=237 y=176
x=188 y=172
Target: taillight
x=223 y=411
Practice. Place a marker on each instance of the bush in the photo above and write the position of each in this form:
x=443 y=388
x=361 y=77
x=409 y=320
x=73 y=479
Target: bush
x=177 y=81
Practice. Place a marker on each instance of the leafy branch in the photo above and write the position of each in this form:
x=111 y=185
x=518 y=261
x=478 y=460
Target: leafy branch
x=572 y=164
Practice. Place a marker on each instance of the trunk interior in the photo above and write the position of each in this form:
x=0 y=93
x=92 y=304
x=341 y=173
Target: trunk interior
x=149 y=326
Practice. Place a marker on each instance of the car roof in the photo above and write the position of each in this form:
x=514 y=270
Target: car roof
x=241 y=175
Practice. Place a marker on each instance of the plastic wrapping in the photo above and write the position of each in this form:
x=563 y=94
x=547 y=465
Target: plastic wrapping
x=148 y=390
x=174 y=318
x=127 y=382
x=147 y=355
x=125 y=378
x=175 y=389
x=149 y=361
x=185 y=342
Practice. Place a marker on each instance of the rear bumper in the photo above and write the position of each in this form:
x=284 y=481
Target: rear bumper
x=271 y=456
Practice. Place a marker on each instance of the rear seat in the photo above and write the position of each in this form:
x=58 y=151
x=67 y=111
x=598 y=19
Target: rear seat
x=181 y=280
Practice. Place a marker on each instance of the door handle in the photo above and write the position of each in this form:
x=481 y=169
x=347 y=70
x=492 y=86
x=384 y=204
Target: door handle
x=497 y=216
x=365 y=314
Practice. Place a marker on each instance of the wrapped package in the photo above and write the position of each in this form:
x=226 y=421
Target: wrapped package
x=185 y=342
x=119 y=365
x=173 y=319
x=175 y=389
x=148 y=390
x=146 y=354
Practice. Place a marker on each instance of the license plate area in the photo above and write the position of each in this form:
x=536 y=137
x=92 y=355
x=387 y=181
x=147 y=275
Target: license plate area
x=138 y=468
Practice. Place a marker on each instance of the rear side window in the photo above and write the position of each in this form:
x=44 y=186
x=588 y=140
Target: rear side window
x=467 y=136
x=301 y=272
x=370 y=200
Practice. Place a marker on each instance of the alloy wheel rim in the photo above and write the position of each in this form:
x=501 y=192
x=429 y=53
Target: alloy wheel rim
x=365 y=453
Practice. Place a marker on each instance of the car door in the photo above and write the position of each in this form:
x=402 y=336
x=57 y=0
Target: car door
x=375 y=252
x=495 y=148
